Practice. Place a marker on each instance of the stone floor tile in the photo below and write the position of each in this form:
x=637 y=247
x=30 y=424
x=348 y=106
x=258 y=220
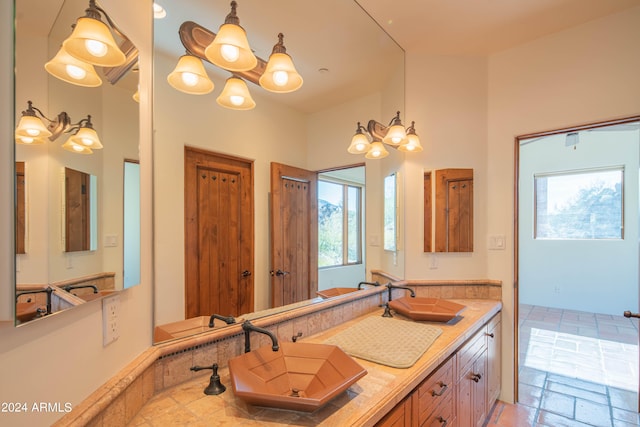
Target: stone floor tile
x=557 y=403
x=533 y=377
x=593 y=413
x=549 y=419
x=623 y=399
x=581 y=393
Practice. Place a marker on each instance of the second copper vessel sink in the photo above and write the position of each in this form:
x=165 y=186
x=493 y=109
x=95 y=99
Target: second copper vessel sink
x=432 y=309
x=334 y=292
x=300 y=376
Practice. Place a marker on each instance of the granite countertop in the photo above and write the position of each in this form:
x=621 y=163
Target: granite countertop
x=363 y=404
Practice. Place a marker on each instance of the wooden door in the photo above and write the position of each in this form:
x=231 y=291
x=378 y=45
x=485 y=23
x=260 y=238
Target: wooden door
x=294 y=234
x=77 y=210
x=454 y=210
x=218 y=234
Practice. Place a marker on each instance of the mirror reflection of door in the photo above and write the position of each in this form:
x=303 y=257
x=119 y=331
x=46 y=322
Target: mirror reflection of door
x=21 y=216
x=294 y=234
x=218 y=234
x=131 y=232
x=77 y=218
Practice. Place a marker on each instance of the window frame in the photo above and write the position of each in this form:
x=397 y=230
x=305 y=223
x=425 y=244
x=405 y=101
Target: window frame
x=345 y=221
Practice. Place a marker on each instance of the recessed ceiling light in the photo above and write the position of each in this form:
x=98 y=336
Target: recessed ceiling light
x=158 y=11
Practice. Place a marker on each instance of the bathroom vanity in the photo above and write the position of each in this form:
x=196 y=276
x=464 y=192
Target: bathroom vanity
x=457 y=377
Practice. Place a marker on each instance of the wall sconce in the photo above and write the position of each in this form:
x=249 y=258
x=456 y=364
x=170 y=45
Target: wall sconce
x=31 y=130
x=227 y=50
x=90 y=44
x=235 y=95
x=393 y=135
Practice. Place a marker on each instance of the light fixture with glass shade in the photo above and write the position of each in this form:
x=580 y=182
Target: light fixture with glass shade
x=235 y=95
x=394 y=135
x=190 y=77
x=281 y=75
x=71 y=70
x=91 y=40
x=31 y=130
x=230 y=48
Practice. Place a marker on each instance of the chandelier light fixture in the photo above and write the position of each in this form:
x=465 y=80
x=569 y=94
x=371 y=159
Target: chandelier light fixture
x=230 y=50
x=31 y=130
x=371 y=140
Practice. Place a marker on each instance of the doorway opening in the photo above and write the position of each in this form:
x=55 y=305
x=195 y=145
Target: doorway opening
x=576 y=270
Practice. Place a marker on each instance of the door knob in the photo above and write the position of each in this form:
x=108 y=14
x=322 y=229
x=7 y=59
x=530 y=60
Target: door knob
x=246 y=273
x=279 y=272
x=629 y=314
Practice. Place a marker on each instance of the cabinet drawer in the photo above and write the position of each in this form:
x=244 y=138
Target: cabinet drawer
x=442 y=416
x=475 y=346
x=434 y=390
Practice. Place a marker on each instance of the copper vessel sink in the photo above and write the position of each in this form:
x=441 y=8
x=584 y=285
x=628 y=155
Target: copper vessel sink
x=431 y=309
x=299 y=376
x=334 y=292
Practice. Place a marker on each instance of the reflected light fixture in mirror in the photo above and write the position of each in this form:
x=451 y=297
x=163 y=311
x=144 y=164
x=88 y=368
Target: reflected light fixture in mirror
x=190 y=77
x=393 y=135
x=71 y=70
x=32 y=130
x=91 y=40
x=159 y=12
x=230 y=48
x=235 y=95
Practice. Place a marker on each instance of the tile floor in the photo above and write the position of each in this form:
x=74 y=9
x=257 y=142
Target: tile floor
x=576 y=369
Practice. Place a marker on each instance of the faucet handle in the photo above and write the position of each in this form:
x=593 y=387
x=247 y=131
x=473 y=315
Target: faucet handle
x=215 y=386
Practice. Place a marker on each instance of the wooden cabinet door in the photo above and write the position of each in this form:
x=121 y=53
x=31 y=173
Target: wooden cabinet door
x=479 y=390
x=399 y=416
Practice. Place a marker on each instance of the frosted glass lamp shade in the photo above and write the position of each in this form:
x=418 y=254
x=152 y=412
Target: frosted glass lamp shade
x=92 y=42
x=31 y=130
x=280 y=75
x=230 y=49
x=377 y=151
x=396 y=135
x=359 y=143
x=71 y=70
x=235 y=95
x=86 y=137
x=189 y=76
x=412 y=145
x=76 y=148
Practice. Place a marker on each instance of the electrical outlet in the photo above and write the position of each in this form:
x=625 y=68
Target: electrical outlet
x=110 y=319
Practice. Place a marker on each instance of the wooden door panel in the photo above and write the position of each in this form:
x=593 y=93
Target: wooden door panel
x=218 y=234
x=294 y=240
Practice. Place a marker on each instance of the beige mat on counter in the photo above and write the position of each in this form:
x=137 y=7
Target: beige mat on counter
x=387 y=341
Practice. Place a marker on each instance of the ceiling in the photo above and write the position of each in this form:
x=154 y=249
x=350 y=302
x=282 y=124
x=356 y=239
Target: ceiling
x=482 y=27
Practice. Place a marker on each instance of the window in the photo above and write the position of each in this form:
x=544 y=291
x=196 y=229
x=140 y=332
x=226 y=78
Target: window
x=579 y=205
x=339 y=224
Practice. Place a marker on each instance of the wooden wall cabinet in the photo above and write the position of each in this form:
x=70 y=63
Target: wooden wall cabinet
x=461 y=391
x=453 y=210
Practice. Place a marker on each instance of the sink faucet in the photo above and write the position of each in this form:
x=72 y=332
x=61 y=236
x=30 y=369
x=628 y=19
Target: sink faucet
x=69 y=288
x=48 y=290
x=248 y=327
x=230 y=320
x=367 y=283
x=387 y=310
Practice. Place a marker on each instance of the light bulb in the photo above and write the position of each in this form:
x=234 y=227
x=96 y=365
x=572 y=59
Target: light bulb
x=75 y=72
x=236 y=100
x=396 y=140
x=280 y=78
x=360 y=146
x=87 y=141
x=26 y=140
x=189 y=79
x=410 y=147
x=96 y=47
x=77 y=147
x=33 y=132
x=229 y=52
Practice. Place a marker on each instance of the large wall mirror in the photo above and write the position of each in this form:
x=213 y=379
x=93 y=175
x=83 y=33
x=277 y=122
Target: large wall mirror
x=353 y=72
x=74 y=223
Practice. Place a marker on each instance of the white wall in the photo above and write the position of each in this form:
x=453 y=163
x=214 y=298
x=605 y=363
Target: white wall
x=599 y=276
x=585 y=74
x=61 y=358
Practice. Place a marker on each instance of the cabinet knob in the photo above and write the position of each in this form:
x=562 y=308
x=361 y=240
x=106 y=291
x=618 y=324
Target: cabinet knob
x=443 y=388
x=442 y=421
x=491 y=335
x=476 y=377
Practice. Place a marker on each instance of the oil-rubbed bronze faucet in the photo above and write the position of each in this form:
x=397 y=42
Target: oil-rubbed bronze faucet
x=387 y=311
x=229 y=320
x=367 y=283
x=48 y=290
x=215 y=386
x=69 y=288
x=248 y=327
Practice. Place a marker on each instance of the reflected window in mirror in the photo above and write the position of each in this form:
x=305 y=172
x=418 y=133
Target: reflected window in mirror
x=390 y=212
x=131 y=223
x=21 y=217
